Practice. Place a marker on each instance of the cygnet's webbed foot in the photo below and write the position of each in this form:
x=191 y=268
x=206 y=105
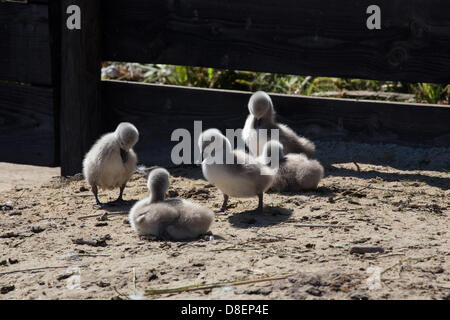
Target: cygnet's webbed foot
x=148 y=237
x=119 y=201
x=98 y=206
x=221 y=211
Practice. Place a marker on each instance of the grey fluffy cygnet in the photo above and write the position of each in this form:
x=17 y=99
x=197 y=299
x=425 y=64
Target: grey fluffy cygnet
x=242 y=177
x=174 y=219
x=111 y=161
x=296 y=172
x=262 y=116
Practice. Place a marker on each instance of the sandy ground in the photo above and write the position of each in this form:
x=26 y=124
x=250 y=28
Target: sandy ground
x=12 y=175
x=309 y=239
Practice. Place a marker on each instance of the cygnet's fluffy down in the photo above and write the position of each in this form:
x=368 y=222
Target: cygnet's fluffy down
x=296 y=172
x=111 y=161
x=244 y=177
x=174 y=219
x=262 y=116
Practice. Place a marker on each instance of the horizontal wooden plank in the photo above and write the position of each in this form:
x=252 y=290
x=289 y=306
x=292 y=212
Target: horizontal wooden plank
x=24 y=43
x=27 y=133
x=158 y=110
x=308 y=37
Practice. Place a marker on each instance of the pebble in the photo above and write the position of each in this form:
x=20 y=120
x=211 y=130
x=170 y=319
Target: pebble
x=7 y=289
x=362 y=250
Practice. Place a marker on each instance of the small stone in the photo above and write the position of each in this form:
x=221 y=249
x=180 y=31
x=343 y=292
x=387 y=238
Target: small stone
x=37 y=229
x=359 y=296
x=362 y=250
x=262 y=291
x=7 y=289
x=198 y=265
x=15 y=213
x=13 y=261
x=10 y=204
x=102 y=284
x=314 y=291
x=64 y=276
x=103 y=217
x=101 y=224
x=152 y=275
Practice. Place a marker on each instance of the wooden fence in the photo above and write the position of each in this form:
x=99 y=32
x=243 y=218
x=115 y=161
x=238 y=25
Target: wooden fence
x=53 y=104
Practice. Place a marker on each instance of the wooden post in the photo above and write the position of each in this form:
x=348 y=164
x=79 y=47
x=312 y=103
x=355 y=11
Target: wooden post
x=80 y=116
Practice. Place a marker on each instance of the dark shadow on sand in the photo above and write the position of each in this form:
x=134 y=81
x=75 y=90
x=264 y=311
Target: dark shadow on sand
x=321 y=192
x=439 y=182
x=250 y=218
x=125 y=206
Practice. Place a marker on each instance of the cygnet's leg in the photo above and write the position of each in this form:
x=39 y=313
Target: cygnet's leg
x=260 y=203
x=98 y=204
x=119 y=200
x=223 y=209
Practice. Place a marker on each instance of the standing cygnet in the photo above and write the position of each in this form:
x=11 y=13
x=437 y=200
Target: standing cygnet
x=296 y=172
x=262 y=116
x=111 y=161
x=173 y=219
x=243 y=177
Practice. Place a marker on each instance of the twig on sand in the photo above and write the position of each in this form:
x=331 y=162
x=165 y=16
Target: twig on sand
x=304 y=225
x=80 y=195
x=101 y=214
x=120 y=294
x=346 y=193
x=94 y=243
x=233 y=249
x=197 y=287
x=375 y=188
x=35 y=269
x=400 y=262
x=391 y=255
x=20 y=196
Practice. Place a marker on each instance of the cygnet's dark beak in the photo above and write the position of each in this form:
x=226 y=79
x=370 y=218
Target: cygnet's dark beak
x=123 y=155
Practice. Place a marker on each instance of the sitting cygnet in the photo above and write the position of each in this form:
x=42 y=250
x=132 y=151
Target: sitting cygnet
x=262 y=116
x=173 y=219
x=242 y=176
x=111 y=161
x=296 y=171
